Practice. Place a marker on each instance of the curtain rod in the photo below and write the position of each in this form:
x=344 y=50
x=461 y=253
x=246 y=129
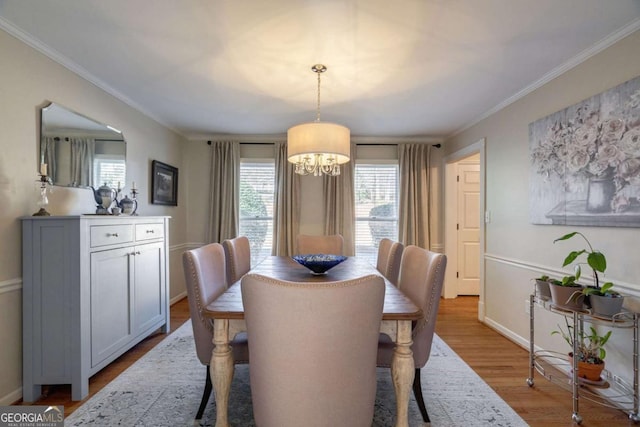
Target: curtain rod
x=378 y=145
x=66 y=138
x=394 y=145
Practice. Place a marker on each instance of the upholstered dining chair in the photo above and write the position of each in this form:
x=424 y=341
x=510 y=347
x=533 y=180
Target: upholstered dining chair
x=313 y=350
x=421 y=278
x=238 y=255
x=389 y=257
x=330 y=244
x=204 y=271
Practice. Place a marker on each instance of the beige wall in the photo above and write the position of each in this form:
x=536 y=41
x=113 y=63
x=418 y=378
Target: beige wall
x=28 y=80
x=516 y=250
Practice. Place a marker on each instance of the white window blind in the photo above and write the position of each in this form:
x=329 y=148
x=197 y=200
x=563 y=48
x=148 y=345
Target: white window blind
x=108 y=170
x=376 y=207
x=256 y=207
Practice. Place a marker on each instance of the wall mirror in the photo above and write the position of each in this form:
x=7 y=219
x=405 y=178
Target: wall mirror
x=79 y=151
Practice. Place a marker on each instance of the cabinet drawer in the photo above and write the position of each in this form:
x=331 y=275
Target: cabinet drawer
x=149 y=231
x=102 y=235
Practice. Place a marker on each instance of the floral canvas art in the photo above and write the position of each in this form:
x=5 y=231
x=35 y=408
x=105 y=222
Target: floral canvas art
x=585 y=161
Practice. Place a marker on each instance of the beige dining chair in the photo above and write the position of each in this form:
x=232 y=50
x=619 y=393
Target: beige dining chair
x=204 y=271
x=330 y=244
x=389 y=257
x=238 y=254
x=421 y=278
x=313 y=350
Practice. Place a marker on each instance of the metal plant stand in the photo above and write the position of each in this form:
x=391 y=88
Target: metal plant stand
x=556 y=367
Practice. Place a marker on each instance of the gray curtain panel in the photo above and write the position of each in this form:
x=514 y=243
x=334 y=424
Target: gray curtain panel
x=225 y=191
x=82 y=154
x=415 y=194
x=286 y=204
x=339 y=209
x=48 y=155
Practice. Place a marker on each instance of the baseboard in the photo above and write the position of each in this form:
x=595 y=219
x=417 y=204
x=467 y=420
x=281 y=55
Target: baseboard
x=177 y=298
x=481 y=312
x=11 y=398
x=507 y=333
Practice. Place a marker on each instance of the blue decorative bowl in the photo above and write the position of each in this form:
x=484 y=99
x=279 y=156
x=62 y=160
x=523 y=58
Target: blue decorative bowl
x=319 y=263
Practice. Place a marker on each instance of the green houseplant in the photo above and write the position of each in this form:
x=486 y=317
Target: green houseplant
x=603 y=300
x=589 y=347
x=566 y=293
x=595 y=259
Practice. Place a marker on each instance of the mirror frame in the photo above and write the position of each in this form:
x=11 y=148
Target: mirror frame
x=74 y=126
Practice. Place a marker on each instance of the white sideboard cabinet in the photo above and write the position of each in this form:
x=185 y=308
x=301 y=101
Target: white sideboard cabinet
x=93 y=287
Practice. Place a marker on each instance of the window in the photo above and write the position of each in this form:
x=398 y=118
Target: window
x=108 y=170
x=256 y=207
x=376 y=207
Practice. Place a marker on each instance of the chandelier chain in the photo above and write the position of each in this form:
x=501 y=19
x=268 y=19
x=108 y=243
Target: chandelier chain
x=318 y=105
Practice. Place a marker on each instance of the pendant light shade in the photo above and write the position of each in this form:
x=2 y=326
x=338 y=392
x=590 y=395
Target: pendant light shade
x=318 y=147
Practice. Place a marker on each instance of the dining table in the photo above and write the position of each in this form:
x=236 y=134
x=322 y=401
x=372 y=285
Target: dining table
x=227 y=313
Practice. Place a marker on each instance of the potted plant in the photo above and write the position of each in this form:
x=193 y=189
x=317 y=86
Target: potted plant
x=566 y=293
x=607 y=301
x=604 y=301
x=542 y=287
x=589 y=349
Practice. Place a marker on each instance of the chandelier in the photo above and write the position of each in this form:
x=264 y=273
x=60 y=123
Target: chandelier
x=318 y=147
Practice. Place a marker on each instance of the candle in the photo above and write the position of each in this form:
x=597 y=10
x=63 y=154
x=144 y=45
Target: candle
x=43 y=169
x=133 y=185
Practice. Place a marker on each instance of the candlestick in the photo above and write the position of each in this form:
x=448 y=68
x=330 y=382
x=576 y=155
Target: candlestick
x=134 y=197
x=44 y=200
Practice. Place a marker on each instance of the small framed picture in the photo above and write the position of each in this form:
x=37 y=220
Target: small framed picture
x=164 y=184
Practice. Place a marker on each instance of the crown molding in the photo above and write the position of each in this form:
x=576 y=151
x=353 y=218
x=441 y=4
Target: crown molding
x=59 y=58
x=556 y=72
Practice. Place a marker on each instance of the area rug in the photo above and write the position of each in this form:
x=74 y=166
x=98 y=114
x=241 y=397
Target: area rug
x=164 y=388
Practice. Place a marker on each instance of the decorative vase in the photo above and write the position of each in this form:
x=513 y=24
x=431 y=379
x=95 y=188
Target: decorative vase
x=606 y=306
x=542 y=289
x=567 y=297
x=599 y=194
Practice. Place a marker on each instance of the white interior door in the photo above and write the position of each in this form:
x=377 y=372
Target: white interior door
x=468 y=272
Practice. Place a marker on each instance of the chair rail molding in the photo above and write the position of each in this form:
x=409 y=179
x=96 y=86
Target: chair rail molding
x=623 y=287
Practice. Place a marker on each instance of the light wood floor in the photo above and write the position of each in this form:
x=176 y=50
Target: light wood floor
x=501 y=363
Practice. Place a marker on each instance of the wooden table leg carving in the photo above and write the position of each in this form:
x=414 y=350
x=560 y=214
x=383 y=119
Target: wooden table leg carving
x=221 y=370
x=402 y=372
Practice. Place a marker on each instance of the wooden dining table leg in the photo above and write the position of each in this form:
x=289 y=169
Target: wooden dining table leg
x=403 y=371
x=221 y=370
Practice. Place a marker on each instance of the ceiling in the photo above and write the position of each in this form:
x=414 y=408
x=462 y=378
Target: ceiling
x=395 y=68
